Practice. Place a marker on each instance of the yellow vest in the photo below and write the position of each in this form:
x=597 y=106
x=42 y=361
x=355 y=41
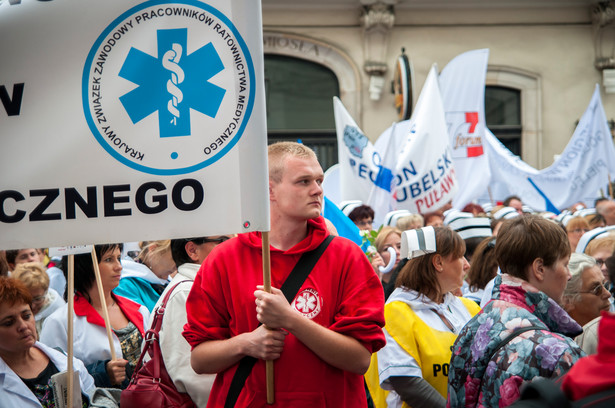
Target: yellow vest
x=429 y=347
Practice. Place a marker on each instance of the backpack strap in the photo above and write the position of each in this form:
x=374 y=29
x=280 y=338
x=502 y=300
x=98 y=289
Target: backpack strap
x=290 y=287
x=602 y=399
x=543 y=392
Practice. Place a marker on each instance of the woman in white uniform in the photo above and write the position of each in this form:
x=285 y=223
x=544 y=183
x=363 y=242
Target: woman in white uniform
x=423 y=319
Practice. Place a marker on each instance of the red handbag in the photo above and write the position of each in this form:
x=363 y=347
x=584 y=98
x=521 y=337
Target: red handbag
x=150 y=385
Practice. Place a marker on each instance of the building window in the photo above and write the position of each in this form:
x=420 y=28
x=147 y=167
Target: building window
x=503 y=115
x=299 y=98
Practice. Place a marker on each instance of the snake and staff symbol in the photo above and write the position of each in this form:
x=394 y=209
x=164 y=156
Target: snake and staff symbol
x=170 y=61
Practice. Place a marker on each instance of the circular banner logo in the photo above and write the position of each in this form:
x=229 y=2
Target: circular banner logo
x=168 y=87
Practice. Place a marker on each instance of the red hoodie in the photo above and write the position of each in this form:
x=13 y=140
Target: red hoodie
x=341 y=293
x=595 y=373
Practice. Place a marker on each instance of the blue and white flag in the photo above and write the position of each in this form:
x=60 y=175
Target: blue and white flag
x=577 y=175
x=361 y=166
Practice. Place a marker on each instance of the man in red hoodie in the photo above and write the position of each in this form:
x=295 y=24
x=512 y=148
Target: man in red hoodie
x=322 y=341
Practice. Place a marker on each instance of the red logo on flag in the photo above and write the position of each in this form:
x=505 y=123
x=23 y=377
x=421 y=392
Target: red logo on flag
x=475 y=151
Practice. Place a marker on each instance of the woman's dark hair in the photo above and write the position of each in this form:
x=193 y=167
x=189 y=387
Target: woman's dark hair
x=508 y=199
x=84 y=269
x=361 y=212
x=484 y=265
x=521 y=240
x=178 y=251
x=420 y=273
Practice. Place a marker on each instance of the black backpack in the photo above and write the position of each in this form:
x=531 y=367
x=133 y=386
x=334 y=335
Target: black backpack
x=545 y=393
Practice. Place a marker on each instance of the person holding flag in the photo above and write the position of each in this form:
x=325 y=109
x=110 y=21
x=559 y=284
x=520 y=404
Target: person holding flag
x=321 y=340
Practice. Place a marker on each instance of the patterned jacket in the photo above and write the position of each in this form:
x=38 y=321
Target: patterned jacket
x=477 y=381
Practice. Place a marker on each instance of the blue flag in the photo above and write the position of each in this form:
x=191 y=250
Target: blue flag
x=344 y=225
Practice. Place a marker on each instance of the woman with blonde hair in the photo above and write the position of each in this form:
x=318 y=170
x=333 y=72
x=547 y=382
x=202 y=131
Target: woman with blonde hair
x=601 y=248
x=45 y=300
x=412 y=221
x=388 y=237
x=575 y=228
x=144 y=279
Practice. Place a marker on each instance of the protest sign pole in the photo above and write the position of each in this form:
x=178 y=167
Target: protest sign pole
x=610 y=187
x=103 y=303
x=267 y=288
x=69 y=345
x=490 y=196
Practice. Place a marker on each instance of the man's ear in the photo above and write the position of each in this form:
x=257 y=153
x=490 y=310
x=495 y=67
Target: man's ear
x=436 y=261
x=190 y=248
x=271 y=195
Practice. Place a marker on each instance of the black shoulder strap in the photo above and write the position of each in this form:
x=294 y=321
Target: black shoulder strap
x=301 y=271
x=602 y=399
x=290 y=287
x=542 y=392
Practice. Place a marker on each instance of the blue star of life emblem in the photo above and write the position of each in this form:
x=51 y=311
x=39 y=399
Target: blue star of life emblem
x=173 y=83
x=168 y=87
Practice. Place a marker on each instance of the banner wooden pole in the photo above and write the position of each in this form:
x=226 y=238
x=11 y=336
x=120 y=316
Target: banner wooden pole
x=69 y=345
x=103 y=303
x=267 y=288
x=610 y=187
x=490 y=196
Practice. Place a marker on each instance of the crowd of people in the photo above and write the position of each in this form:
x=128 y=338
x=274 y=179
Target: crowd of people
x=451 y=308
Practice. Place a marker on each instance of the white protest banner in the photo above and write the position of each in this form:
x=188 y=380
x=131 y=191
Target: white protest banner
x=582 y=169
x=462 y=84
x=382 y=195
x=425 y=177
x=358 y=160
x=125 y=120
x=506 y=170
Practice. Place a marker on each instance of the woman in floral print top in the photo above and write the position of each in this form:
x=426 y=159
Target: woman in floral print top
x=533 y=255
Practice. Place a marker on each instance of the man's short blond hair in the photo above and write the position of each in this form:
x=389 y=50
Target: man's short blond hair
x=278 y=151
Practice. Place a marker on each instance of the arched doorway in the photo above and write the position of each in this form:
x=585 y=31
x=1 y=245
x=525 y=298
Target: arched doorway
x=299 y=96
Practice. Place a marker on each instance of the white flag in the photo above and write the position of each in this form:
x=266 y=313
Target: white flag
x=381 y=197
x=462 y=83
x=425 y=178
x=577 y=175
x=357 y=157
